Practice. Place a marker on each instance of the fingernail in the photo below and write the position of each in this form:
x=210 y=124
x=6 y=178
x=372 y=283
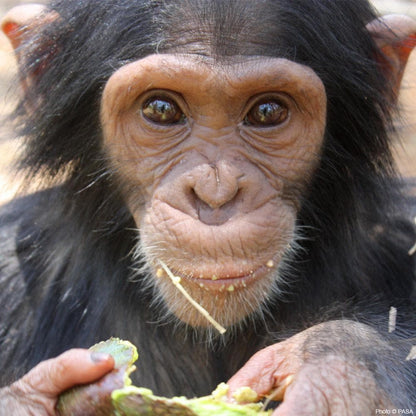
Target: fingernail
x=99 y=357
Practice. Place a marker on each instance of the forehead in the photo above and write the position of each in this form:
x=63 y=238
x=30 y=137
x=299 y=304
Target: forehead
x=219 y=28
x=191 y=74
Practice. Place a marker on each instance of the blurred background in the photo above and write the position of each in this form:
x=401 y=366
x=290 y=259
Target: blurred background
x=405 y=147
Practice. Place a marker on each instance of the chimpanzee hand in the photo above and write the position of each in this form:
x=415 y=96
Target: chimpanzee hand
x=37 y=392
x=317 y=372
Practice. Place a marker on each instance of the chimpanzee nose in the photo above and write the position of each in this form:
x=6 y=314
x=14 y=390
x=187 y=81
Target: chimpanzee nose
x=216 y=184
x=215 y=190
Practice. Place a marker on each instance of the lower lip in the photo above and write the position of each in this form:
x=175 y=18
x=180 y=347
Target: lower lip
x=227 y=284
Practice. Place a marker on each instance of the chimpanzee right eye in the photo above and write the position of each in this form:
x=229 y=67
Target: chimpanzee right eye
x=163 y=110
x=267 y=112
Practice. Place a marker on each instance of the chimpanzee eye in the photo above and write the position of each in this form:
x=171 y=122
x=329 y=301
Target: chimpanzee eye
x=163 y=110
x=267 y=112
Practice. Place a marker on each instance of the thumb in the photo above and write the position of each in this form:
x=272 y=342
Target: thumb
x=269 y=372
x=76 y=366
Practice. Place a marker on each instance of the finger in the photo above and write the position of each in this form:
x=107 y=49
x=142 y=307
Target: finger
x=295 y=405
x=300 y=407
x=76 y=366
x=260 y=372
x=308 y=395
x=278 y=393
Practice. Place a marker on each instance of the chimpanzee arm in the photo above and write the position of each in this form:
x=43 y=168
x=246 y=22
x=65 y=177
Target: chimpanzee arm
x=37 y=391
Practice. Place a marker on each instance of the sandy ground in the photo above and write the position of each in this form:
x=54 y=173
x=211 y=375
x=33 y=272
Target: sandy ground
x=406 y=151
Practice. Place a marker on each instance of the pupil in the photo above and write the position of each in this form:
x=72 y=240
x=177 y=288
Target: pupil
x=161 y=109
x=266 y=111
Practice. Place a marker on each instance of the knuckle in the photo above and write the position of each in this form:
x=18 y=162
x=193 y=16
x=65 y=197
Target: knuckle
x=45 y=377
x=20 y=387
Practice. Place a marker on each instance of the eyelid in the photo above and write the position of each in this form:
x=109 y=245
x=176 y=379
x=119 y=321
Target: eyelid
x=160 y=93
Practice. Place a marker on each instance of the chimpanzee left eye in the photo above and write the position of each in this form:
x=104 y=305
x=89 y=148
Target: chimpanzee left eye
x=163 y=110
x=267 y=112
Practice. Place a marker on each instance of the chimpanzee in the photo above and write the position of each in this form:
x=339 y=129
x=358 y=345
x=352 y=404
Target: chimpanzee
x=243 y=144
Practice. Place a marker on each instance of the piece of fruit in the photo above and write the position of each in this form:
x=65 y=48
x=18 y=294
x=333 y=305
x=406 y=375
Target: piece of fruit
x=95 y=399
x=113 y=395
x=135 y=401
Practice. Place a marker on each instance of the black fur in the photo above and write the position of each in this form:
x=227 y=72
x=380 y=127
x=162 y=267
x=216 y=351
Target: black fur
x=66 y=252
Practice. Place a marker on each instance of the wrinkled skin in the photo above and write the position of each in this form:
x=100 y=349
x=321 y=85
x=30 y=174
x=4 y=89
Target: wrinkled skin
x=37 y=392
x=311 y=383
x=215 y=167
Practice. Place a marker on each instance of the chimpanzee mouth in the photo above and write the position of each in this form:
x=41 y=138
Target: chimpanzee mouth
x=224 y=282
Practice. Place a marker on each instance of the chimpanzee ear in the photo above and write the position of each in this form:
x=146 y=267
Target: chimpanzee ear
x=21 y=24
x=395 y=35
x=19 y=21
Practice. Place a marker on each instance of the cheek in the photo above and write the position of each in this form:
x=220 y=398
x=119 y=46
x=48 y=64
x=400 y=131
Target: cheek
x=293 y=156
x=139 y=168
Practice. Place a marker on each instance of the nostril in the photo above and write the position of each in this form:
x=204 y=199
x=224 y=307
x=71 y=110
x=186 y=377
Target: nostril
x=214 y=215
